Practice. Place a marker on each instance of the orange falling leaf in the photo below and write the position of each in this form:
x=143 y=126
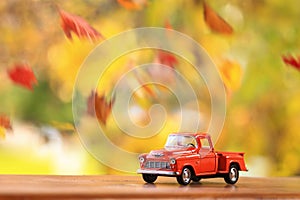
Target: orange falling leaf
x=73 y=23
x=97 y=104
x=5 y=122
x=292 y=61
x=231 y=73
x=216 y=22
x=168 y=25
x=2 y=132
x=147 y=88
x=22 y=75
x=63 y=126
x=133 y=4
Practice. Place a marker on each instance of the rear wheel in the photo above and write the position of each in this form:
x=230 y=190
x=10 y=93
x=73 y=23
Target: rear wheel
x=149 y=178
x=233 y=175
x=185 y=177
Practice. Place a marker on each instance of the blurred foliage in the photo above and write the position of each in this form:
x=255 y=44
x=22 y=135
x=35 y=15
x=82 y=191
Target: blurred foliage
x=263 y=112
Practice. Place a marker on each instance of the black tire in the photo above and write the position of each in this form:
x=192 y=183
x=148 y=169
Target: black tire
x=149 y=178
x=185 y=177
x=233 y=175
x=196 y=178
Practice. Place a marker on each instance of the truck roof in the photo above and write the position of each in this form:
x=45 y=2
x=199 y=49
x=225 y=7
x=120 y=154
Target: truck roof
x=201 y=135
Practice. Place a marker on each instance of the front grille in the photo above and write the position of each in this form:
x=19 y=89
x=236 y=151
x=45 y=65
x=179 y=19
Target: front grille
x=159 y=165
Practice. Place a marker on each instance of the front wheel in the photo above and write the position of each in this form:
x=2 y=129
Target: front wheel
x=185 y=177
x=149 y=178
x=233 y=175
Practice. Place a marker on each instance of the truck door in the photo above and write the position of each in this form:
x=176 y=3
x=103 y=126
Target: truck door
x=207 y=157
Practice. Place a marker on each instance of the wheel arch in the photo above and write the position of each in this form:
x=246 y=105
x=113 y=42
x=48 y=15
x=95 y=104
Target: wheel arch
x=190 y=167
x=235 y=163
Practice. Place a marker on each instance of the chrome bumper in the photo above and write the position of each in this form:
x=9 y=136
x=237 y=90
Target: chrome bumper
x=157 y=172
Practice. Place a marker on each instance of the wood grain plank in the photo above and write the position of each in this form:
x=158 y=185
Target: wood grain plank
x=128 y=187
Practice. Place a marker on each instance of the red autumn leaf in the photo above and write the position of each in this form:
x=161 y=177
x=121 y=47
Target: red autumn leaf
x=73 y=23
x=215 y=22
x=5 y=122
x=91 y=104
x=133 y=4
x=292 y=61
x=22 y=75
x=97 y=104
x=166 y=58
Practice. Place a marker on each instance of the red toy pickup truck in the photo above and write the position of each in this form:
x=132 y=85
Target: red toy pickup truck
x=191 y=156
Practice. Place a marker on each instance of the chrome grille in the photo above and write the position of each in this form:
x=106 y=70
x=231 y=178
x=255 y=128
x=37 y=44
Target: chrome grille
x=159 y=165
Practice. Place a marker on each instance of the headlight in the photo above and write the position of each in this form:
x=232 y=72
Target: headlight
x=142 y=159
x=172 y=161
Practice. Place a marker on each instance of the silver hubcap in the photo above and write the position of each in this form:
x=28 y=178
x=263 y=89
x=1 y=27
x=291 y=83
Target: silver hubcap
x=233 y=174
x=186 y=175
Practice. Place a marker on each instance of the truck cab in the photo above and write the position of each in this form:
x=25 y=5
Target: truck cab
x=191 y=157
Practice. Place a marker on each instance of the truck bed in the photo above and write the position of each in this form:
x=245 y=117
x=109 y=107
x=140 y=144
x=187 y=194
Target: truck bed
x=224 y=158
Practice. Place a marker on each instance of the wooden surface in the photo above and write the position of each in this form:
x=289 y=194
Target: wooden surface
x=76 y=187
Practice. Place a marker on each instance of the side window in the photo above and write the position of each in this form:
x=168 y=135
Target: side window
x=205 y=143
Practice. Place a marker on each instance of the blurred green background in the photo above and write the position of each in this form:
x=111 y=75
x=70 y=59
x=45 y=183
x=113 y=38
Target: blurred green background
x=263 y=109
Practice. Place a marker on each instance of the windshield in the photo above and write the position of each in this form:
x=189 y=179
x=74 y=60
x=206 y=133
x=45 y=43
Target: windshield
x=181 y=141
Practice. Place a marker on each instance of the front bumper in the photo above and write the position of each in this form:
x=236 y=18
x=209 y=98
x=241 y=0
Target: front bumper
x=157 y=172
